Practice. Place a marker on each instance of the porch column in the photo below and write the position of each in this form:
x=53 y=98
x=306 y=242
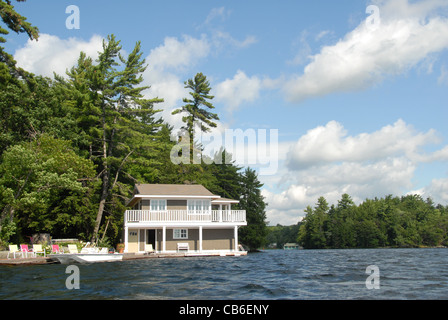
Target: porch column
x=200 y=238
x=220 y=213
x=164 y=239
x=126 y=234
x=236 y=238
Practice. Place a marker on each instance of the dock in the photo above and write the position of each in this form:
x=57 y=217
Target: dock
x=126 y=257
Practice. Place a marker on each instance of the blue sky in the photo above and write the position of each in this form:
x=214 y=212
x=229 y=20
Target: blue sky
x=358 y=110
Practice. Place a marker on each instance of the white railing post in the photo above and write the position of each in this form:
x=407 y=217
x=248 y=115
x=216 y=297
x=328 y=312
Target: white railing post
x=126 y=232
x=164 y=239
x=184 y=216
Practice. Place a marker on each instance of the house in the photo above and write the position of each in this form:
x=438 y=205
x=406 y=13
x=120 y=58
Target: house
x=291 y=246
x=169 y=218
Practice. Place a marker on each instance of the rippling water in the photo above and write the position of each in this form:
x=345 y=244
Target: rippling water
x=274 y=274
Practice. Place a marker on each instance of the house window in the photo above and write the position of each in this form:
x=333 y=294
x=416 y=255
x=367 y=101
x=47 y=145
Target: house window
x=199 y=206
x=180 y=233
x=158 y=205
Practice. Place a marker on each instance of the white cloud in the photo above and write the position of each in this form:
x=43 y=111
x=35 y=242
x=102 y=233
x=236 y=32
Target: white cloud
x=330 y=143
x=327 y=161
x=406 y=36
x=238 y=90
x=52 y=54
x=222 y=39
x=217 y=13
x=178 y=54
x=437 y=190
x=443 y=78
x=168 y=63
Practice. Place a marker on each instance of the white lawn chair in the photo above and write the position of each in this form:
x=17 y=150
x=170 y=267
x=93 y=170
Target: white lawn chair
x=13 y=248
x=37 y=248
x=149 y=248
x=72 y=248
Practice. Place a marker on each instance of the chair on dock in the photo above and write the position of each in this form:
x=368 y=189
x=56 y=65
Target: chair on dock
x=37 y=248
x=183 y=246
x=149 y=248
x=72 y=248
x=55 y=249
x=13 y=248
x=25 y=250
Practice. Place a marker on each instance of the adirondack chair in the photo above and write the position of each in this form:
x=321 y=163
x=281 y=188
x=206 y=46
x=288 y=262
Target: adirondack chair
x=14 y=249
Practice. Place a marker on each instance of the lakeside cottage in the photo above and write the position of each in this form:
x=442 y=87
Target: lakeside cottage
x=169 y=218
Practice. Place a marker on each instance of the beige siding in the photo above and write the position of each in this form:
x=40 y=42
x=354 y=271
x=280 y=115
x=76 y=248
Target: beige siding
x=145 y=204
x=212 y=239
x=132 y=240
x=217 y=239
x=176 y=204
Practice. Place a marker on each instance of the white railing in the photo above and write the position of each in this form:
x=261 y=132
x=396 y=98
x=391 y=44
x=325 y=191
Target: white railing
x=185 y=216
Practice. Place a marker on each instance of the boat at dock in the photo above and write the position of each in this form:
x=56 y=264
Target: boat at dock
x=87 y=255
x=68 y=258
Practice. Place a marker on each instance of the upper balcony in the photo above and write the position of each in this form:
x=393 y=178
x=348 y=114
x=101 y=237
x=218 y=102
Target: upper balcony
x=132 y=217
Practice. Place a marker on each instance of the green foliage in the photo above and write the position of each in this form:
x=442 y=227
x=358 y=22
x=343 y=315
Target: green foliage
x=408 y=221
x=42 y=183
x=114 y=117
x=282 y=234
x=254 y=234
x=200 y=93
x=72 y=148
x=17 y=23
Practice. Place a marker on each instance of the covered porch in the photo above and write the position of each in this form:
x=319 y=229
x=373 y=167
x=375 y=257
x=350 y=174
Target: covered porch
x=181 y=238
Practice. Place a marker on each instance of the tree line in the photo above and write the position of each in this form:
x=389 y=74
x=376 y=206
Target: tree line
x=407 y=221
x=73 y=147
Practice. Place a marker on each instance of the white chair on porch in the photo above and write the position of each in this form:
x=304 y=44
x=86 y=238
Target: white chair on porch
x=149 y=248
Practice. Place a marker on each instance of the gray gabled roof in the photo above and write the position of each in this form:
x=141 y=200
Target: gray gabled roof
x=173 y=190
x=176 y=191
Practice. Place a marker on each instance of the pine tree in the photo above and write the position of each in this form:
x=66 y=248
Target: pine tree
x=114 y=116
x=17 y=23
x=196 y=108
x=254 y=234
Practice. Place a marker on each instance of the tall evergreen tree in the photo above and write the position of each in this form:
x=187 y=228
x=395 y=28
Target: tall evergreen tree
x=196 y=108
x=254 y=234
x=19 y=24
x=113 y=114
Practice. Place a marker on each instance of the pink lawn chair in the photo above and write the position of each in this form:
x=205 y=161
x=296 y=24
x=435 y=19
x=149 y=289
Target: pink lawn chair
x=25 y=250
x=55 y=249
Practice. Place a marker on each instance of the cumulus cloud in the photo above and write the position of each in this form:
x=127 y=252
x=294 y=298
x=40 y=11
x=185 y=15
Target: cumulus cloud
x=330 y=143
x=52 y=54
x=168 y=64
x=437 y=190
x=328 y=161
x=406 y=36
x=178 y=54
x=240 y=89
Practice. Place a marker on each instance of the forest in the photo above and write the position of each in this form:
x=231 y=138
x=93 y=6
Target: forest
x=407 y=221
x=73 y=147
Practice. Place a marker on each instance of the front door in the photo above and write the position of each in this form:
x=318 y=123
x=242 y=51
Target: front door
x=151 y=237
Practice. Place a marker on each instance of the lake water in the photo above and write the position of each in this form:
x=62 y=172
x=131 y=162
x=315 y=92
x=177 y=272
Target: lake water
x=274 y=274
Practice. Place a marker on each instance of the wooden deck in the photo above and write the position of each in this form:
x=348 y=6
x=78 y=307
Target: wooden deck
x=26 y=261
x=126 y=257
